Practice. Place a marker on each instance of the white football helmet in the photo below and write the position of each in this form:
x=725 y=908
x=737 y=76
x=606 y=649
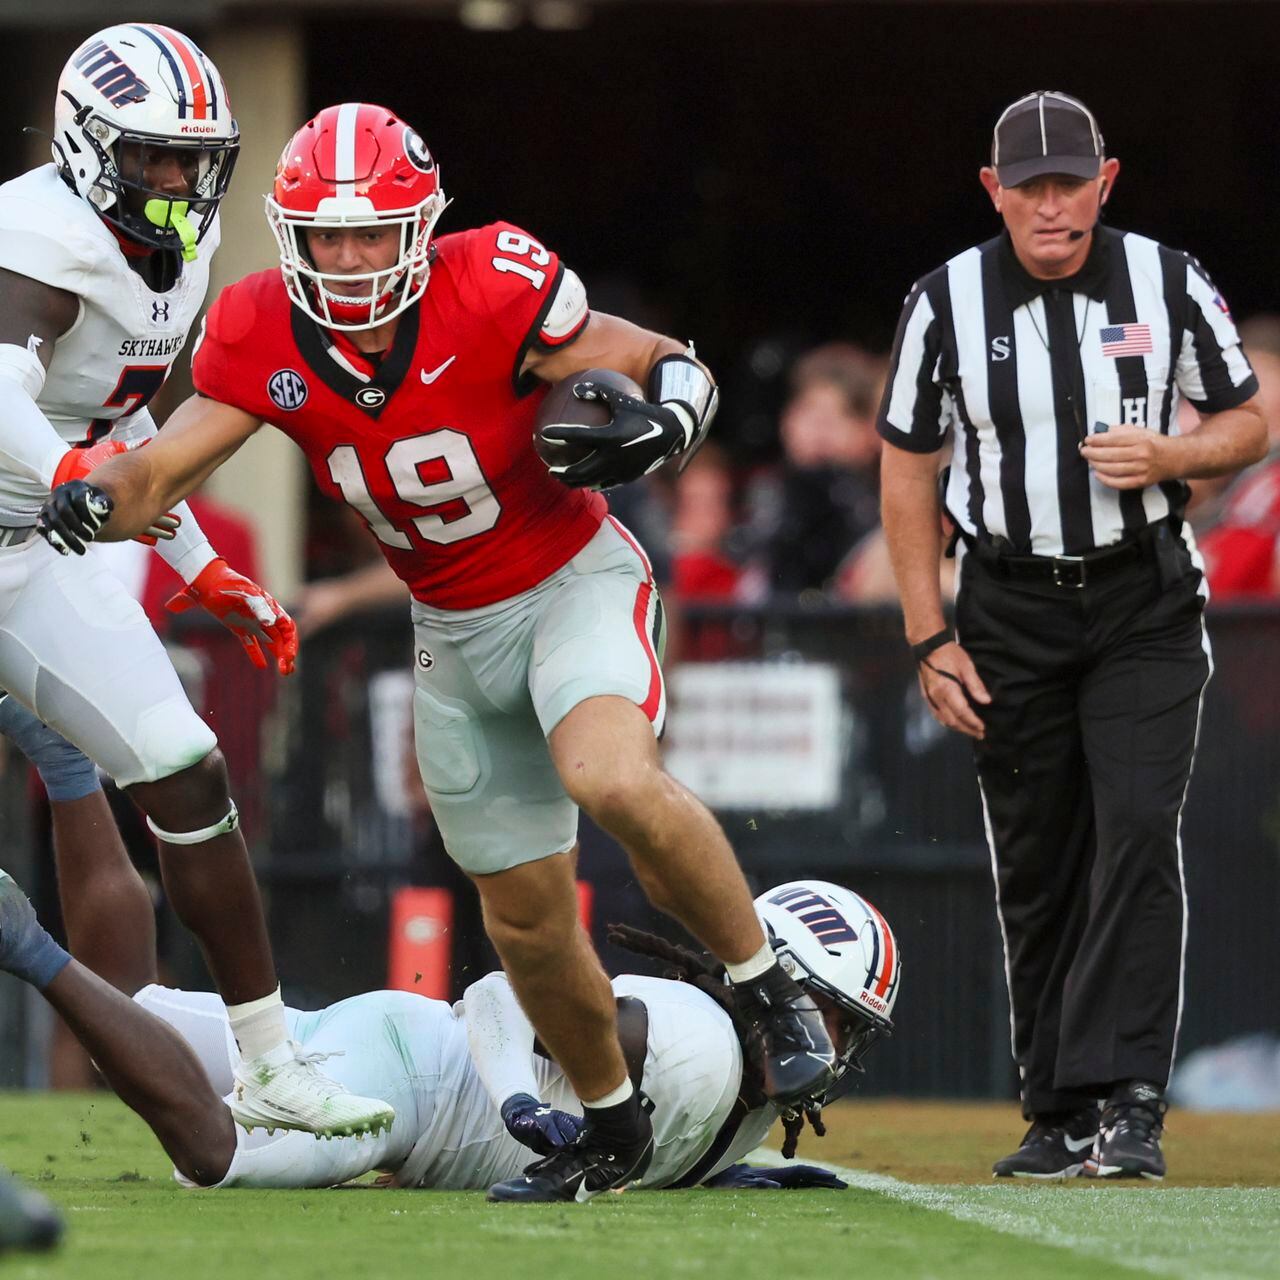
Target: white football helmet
x=836 y=944
x=149 y=85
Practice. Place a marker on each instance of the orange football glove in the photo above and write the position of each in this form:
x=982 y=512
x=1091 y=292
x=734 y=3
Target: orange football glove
x=78 y=462
x=246 y=610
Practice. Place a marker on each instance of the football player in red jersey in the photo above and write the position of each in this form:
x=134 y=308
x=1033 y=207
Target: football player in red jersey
x=410 y=371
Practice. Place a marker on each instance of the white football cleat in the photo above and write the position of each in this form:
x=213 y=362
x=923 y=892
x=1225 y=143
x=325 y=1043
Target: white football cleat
x=285 y=1089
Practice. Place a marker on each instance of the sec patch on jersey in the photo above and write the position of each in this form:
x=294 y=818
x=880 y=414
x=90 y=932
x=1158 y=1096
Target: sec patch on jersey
x=561 y=405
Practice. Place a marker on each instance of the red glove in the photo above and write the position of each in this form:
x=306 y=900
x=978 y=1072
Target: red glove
x=246 y=610
x=77 y=463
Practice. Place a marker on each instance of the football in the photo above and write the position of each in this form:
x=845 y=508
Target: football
x=561 y=405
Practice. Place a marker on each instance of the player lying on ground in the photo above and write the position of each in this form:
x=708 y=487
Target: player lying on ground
x=412 y=371
x=472 y=1091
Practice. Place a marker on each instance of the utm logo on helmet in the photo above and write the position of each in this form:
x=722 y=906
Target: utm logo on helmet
x=139 y=86
x=355 y=165
x=834 y=942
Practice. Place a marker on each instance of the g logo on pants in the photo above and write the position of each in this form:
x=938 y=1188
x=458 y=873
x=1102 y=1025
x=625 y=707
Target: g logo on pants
x=425 y=660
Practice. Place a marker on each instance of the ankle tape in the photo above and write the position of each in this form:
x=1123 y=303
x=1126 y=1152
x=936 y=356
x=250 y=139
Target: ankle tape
x=227 y=824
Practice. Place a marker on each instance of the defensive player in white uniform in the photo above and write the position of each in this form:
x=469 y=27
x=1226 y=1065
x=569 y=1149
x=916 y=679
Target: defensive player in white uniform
x=472 y=1092
x=104 y=265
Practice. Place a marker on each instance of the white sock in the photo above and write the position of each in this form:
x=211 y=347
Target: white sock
x=258 y=1025
x=761 y=962
x=614 y=1096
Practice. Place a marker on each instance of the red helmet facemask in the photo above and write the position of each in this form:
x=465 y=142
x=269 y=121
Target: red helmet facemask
x=355 y=165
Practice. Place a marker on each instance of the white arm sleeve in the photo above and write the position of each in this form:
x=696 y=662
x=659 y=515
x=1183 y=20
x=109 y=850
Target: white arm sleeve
x=30 y=448
x=189 y=550
x=500 y=1038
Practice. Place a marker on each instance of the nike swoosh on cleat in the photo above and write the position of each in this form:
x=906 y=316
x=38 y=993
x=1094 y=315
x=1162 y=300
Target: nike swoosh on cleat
x=656 y=430
x=429 y=378
x=1077 y=1144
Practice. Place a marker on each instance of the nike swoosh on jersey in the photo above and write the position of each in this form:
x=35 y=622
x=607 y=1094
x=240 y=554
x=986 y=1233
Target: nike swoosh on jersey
x=656 y=430
x=429 y=378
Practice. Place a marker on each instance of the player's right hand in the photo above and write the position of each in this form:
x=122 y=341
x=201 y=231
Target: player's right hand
x=540 y=1128
x=73 y=515
x=954 y=690
x=82 y=460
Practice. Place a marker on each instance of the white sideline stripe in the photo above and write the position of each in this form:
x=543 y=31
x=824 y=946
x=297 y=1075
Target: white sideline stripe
x=964 y=1204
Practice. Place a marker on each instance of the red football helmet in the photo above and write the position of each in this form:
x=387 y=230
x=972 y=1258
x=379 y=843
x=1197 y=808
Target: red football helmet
x=355 y=165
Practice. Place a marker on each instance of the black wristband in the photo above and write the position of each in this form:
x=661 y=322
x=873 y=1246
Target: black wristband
x=922 y=650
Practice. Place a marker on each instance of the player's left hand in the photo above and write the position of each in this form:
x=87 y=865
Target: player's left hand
x=246 y=610
x=540 y=1128
x=638 y=439
x=788 y=1177
x=1127 y=457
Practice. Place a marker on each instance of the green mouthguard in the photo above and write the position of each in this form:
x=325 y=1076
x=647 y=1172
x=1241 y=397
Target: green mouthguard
x=173 y=213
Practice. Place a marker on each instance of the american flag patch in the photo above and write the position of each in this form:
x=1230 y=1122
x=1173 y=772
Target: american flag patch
x=1126 y=340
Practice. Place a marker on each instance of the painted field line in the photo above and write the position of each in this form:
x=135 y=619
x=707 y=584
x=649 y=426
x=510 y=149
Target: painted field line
x=1191 y=1233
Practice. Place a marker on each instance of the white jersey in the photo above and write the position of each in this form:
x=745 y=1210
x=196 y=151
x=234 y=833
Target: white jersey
x=448 y=1134
x=119 y=351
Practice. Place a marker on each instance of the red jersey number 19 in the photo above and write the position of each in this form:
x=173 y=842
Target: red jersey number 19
x=465 y=482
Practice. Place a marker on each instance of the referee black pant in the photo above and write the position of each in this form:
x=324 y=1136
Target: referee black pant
x=1084 y=768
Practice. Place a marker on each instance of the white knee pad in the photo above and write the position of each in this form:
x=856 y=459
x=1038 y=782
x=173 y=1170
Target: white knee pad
x=221 y=828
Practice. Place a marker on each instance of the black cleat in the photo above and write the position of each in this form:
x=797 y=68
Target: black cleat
x=1128 y=1143
x=796 y=1052
x=585 y=1168
x=27 y=1221
x=1055 y=1147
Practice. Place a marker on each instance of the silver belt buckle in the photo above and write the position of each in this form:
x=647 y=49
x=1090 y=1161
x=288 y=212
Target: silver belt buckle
x=1058 y=570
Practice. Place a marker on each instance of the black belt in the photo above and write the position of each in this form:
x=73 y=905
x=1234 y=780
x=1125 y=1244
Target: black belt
x=1069 y=572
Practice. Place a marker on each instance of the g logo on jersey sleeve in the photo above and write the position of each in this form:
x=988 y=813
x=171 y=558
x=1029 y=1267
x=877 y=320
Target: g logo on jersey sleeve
x=287 y=390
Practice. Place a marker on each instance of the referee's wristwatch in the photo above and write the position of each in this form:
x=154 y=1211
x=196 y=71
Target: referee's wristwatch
x=922 y=650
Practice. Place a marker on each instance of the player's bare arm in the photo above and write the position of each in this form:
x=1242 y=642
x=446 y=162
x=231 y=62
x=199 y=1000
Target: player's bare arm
x=198 y=438
x=672 y=419
x=912 y=523
x=1128 y=457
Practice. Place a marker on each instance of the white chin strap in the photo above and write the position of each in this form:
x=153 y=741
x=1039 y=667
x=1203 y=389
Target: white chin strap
x=222 y=828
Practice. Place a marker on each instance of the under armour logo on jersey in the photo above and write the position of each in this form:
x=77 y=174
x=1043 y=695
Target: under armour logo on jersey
x=370 y=397
x=287 y=390
x=1000 y=347
x=160 y=312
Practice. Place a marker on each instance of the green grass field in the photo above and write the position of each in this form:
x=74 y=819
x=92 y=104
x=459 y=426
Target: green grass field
x=920 y=1206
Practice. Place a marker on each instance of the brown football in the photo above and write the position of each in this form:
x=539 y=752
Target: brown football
x=561 y=405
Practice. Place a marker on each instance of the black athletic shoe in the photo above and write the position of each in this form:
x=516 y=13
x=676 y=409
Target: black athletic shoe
x=27 y=1221
x=1128 y=1143
x=1055 y=1147
x=795 y=1050
x=585 y=1168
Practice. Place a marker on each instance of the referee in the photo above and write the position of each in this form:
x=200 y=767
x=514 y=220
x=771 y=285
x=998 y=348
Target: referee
x=1052 y=359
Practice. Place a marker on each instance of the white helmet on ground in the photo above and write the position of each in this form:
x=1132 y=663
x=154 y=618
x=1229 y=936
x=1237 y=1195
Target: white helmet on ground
x=836 y=944
x=151 y=86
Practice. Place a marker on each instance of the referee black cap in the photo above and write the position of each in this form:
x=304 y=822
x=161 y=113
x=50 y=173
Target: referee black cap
x=1046 y=132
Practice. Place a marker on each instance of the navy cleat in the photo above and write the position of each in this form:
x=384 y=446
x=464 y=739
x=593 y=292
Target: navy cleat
x=1128 y=1143
x=27 y=1221
x=591 y=1164
x=796 y=1053
x=1054 y=1148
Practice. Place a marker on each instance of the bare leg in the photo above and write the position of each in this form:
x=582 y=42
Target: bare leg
x=607 y=758
x=152 y=1069
x=211 y=884
x=106 y=908
x=531 y=916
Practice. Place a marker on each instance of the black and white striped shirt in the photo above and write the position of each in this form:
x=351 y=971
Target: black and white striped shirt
x=1137 y=329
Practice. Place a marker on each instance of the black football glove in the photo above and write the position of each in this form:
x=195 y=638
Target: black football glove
x=639 y=439
x=537 y=1126
x=787 y=1177
x=72 y=516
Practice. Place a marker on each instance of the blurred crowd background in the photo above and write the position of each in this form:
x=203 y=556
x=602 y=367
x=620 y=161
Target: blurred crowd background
x=767 y=178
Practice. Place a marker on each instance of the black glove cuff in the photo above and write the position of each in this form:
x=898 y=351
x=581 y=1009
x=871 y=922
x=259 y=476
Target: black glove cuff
x=922 y=650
